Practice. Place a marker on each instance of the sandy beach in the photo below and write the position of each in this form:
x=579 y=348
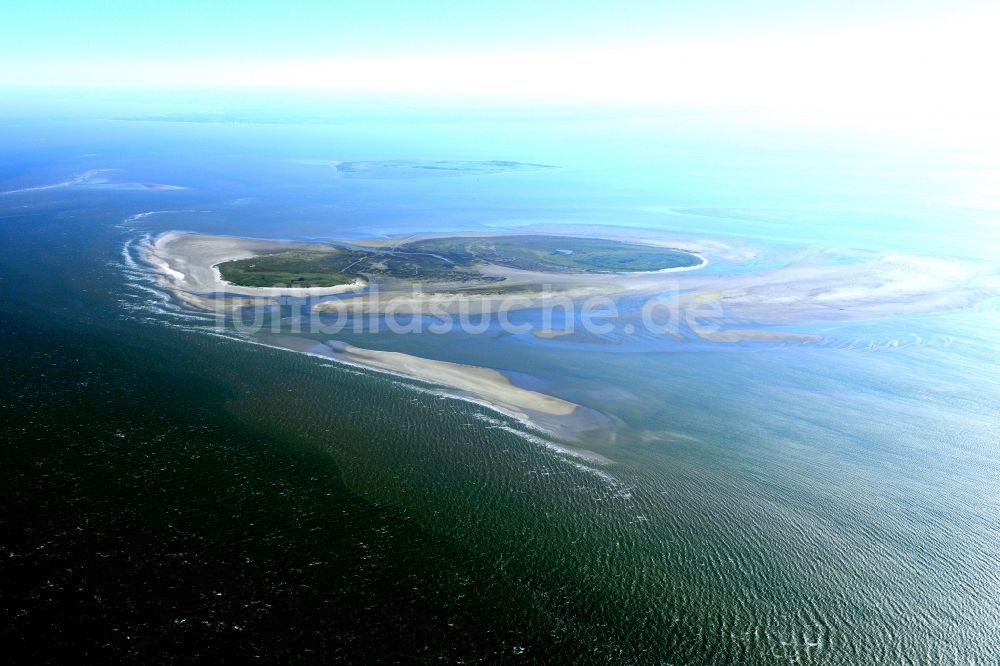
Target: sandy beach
x=564 y=420
x=186 y=263
x=485 y=383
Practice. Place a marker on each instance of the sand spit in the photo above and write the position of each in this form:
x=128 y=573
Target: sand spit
x=560 y=419
x=485 y=383
x=95 y=180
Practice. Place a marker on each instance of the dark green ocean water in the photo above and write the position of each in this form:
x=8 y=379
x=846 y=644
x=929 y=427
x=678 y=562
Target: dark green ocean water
x=172 y=496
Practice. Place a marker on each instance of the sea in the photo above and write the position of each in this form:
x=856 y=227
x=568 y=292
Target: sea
x=173 y=492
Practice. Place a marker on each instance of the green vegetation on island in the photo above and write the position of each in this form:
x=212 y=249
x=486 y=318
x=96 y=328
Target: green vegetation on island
x=557 y=253
x=340 y=266
x=452 y=259
x=305 y=269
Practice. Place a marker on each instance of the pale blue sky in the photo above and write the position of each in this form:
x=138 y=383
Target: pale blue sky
x=921 y=66
x=97 y=29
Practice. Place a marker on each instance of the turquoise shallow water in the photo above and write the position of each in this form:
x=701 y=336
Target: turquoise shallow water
x=172 y=494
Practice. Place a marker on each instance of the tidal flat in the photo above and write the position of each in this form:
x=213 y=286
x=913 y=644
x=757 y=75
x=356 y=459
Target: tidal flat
x=588 y=290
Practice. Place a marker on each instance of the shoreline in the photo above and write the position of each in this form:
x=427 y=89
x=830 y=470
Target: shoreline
x=810 y=290
x=185 y=264
x=188 y=262
x=559 y=419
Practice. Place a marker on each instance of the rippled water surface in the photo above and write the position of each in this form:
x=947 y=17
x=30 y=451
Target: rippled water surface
x=172 y=492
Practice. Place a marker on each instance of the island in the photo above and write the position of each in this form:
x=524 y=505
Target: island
x=452 y=259
x=430 y=279
x=226 y=274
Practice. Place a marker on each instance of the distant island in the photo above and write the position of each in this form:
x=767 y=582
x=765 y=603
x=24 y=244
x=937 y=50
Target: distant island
x=386 y=169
